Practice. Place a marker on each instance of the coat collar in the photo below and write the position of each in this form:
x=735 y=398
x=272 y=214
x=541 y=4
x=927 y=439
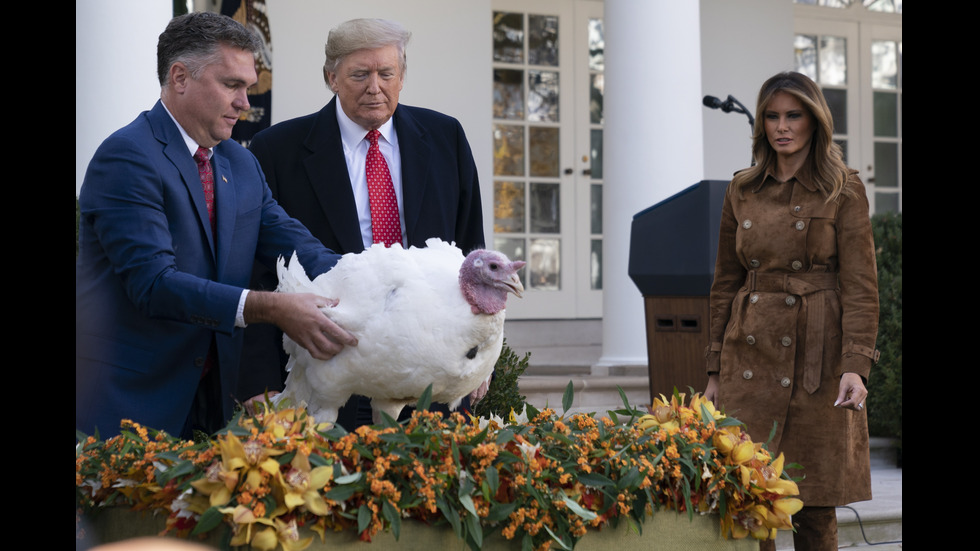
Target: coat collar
x=334 y=193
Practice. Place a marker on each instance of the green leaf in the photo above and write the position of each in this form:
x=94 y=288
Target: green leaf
x=349 y=478
x=595 y=480
x=492 y=478
x=557 y=539
x=467 y=502
x=341 y=493
x=451 y=515
x=393 y=517
x=500 y=511
x=475 y=529
x=425 y=399
x=208 y=521
x=578 y=509
x=363 y=518
x=566 y=399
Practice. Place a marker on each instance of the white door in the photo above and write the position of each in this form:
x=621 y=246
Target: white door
x=547 y=137
x=855 y=54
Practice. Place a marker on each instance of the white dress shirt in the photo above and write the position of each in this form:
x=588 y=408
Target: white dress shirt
x=356 y=145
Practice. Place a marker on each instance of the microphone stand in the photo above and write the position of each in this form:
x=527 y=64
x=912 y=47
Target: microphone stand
x=729 y=105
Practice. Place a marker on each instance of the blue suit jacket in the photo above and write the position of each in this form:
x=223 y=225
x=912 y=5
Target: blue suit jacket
x=154 y=286
x=304 y=162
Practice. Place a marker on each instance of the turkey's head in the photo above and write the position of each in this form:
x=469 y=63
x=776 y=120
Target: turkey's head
x=486 y=277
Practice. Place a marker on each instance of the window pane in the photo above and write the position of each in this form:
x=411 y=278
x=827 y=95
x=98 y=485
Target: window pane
x=884 y=65
x=886 y=114
x=596 y=264
x=597 y=46
x=508 y=150
x=837 y=101
x=544 y=264
x=833 y=60
x=542 y=40
x=596 y=207
x=596 y=90
x=805 y=47
x=886 y=202
x=544 y=151
x=596 y=139
x=545 y=213
x=508 y=207
x=886 y=164
x=542 y=96
x=508 y=37
x=888 y=6
x=508 y=94
x=513 y=247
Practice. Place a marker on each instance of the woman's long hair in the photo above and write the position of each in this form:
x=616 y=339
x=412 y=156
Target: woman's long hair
x=825 y=159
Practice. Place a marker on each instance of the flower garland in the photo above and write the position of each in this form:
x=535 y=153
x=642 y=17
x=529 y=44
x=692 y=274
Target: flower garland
x=278 y=479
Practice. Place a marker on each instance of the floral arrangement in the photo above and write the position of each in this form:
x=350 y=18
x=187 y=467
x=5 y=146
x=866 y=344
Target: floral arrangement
x=278 y=479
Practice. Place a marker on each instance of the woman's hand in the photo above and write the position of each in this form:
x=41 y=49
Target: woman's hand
x=852 y=392
x=711 y=391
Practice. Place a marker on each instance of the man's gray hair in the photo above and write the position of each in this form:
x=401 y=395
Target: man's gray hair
x=364 y=34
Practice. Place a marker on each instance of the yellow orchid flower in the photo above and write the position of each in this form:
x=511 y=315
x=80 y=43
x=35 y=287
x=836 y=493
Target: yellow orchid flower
x=283 y=533
x=302 y=485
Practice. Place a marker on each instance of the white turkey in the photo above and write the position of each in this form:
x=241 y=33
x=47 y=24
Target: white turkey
x=421 y=316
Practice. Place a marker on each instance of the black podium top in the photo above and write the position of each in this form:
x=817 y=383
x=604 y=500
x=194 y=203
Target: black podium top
x=673 y=243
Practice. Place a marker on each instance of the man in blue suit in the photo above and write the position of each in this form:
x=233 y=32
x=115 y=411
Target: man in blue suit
x=315 y=166
x=162 y=275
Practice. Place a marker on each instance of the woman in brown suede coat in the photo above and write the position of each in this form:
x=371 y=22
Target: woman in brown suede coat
x=794 y=304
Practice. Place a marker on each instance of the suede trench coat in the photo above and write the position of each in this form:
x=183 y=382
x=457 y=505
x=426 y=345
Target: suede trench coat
x=794 y=305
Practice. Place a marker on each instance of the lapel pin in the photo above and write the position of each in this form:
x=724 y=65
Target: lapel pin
x=225 y=180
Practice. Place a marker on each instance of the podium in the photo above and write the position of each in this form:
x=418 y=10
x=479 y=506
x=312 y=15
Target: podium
x=673 y=245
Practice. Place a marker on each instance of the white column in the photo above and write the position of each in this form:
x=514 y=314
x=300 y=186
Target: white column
x=653 y=145
x=115 y=68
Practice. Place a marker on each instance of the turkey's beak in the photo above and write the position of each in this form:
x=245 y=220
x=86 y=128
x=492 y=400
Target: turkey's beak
x=515 y=286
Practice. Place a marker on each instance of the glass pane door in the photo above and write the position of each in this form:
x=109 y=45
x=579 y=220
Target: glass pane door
x=533 y=124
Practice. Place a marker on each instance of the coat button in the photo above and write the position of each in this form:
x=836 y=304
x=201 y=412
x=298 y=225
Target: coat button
x=797 y=208
x=199 y=361
x=747 y=224
x=750 y=339
x=800 y=224
x=747 y=374
x=797 y=265
x=785 y=382
x=786 y=341
x=754 y=298
x=754 y=263
x=790 y=300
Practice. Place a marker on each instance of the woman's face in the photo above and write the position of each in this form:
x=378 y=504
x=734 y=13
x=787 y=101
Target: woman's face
x=789 y=126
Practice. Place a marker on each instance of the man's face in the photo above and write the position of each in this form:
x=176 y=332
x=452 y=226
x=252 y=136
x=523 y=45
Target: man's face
x=209 y=106
x=367 y=83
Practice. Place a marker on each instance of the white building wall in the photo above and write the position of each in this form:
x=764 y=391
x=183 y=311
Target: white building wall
x=743 y=42
x=115 y=68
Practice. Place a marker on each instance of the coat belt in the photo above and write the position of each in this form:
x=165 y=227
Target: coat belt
x=802 y=285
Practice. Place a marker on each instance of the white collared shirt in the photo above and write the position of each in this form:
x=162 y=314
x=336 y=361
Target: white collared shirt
x=192 y=146
x=354 y=138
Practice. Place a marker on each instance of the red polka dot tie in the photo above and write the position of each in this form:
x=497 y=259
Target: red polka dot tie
x=207 y=180
x=385 y=225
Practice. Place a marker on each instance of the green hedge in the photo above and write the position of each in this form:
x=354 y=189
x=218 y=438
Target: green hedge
x=885 y=384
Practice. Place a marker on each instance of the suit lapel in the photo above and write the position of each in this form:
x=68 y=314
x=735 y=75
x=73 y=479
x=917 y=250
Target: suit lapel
x=225 y=200
x=326 y=168
x=414 y=147
x=176 y=150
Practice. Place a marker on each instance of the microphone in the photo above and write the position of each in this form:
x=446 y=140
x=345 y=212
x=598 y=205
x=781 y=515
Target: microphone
x=727 y=106
x=712 y=102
